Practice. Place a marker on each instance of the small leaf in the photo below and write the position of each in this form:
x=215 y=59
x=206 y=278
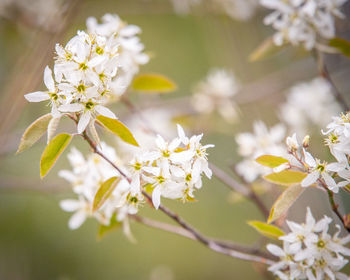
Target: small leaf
x=153 y=83
x=94 y=134
x=104 y=230
x=266 y=49
x=341 y=44
x=104 y=192
x=52 y=152
x=271 y=161
x=284 y=202
x=118 y=128
x=286 y=177
x=34 y=132
x=52 y=127
x=267 y=230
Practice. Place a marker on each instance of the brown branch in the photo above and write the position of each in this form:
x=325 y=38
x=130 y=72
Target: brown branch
x=185 y=233
x=323 y=72
x=334 y=206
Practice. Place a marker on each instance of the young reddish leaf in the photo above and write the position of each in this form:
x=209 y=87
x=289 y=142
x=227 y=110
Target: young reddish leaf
x=118 y=128
x=267 y=230
x=266 y=49
x=104 y=192
x=153 y=83
x=34 y=132
x=104 y=230
x=342 y=45
x=284 y=202
x=271 y=161
x=52 y=152
x=286 y=177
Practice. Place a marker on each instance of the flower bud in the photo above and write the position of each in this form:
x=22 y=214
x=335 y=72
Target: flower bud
x=306 y=141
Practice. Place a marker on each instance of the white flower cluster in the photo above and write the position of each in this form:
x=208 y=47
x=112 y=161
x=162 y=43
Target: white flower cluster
x=316 y=94
x=302 y=21
x=171 y=170
x=335 y=175
x=86 y=178
x=130 y=48
x=86 y=70
x=263 y=141
x=310 y=252
x=215 y=93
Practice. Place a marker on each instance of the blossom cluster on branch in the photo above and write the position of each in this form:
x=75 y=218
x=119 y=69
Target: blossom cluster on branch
x=92 y=69
x=310 y=252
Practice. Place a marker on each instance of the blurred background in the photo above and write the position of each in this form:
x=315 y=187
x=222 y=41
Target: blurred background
x=35 y=242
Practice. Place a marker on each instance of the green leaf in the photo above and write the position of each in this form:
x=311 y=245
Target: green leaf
x=153 y=83
x=52 y=152
x=271 y=161
x=104 y=192
x=104 y=230
x=34 y=132
x=284 y=201
x=267 y=230
x=341 y=44
x=286 y=177
x=118 y=128
x=266 y=49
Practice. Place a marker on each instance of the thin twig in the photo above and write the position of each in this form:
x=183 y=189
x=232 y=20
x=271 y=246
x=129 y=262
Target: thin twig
x=185 y=233
x=323 y=71
x=334 y=206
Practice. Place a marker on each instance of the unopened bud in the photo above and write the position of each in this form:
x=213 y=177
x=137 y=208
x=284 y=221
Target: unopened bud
x=306 y=141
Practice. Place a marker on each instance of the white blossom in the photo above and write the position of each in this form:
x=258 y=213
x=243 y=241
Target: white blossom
x=301 y=22
x=130 y=48
x=92 y=69
x=309 y=103
x=262 y=141
x=310 y=252
x=215 y=93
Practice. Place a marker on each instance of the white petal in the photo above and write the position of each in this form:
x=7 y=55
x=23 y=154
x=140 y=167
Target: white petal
x=74 y=107
x=37 y=96
x=310 y=179
x=310 y=161
x=275 y=250
x=105 y=111
x=70 y=205
x=84 y=121
x=156 y=197
x=77 y=220
x=48 y=80
x=329 y=180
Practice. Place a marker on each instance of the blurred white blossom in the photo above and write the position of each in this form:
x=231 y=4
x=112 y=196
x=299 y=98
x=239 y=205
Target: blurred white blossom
x=241 y=10
x=310 y=252
x=302 y=22
x=309 y=103
x=262 y=141
x=215 y=93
